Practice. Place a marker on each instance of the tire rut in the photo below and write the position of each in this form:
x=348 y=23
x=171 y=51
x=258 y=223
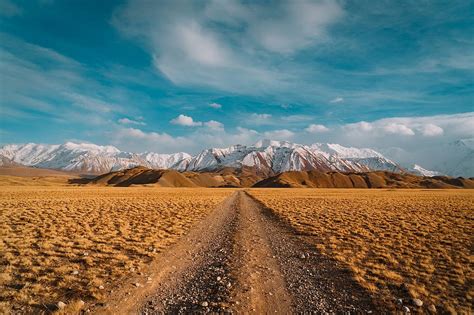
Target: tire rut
x=244 y=259
x=205 y=285
x=315 y=282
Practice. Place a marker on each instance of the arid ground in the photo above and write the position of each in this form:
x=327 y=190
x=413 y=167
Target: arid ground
x=152 y=250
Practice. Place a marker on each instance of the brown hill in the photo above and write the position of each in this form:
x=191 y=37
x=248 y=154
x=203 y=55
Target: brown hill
x=169 y=178
x=229 y=177
x=315 y=179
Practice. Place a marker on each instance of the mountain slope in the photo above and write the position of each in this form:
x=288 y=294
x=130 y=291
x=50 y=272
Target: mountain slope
x=86 y=158
x=315 y=179
x=265 y=158
x=171 y=178
x=273 y=157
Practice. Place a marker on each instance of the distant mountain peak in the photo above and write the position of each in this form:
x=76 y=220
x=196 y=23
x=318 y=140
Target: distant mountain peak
x=264 y=143
x=265 y=156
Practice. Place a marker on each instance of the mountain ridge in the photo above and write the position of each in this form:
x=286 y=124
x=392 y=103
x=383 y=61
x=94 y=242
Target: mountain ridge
x=267 y=157
x=290 y=179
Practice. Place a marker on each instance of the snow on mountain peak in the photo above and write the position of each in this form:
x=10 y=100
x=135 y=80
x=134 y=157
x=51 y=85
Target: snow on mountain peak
x=90 y=147
x=418 y=170
x=266 y=156
x=264 y=143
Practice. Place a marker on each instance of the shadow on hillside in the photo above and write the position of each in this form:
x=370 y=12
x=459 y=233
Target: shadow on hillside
x=79 y=181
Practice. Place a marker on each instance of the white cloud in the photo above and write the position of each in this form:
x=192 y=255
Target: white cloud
x=126 y=121
x=215 y=105
x=296 y=118
x=315 y=128
x=256 y=116
x=226 y=44
x=137 y=140
x=282 y=134
x=337 y=100
x=361 y=126
x=214 y=124
x=184 y=120
x=431 y=130
x=77 y=95
x=399 y=129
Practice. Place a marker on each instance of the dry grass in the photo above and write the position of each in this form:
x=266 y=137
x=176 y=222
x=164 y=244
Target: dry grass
x=8 y=181
x=76 y=243
x=398 y=243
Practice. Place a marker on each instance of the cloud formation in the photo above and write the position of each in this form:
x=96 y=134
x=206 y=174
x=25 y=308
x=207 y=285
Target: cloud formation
x=215 y=105
x=316 y=128
x=184 y=120
x=398 y=129
x=431 y=130
x=225 y=44
x=337 y=100
x=127 y=121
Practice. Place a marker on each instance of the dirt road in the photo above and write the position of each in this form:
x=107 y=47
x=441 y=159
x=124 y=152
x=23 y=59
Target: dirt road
x=241 y=259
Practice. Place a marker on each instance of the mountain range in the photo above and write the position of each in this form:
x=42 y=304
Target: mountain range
x=266 y=157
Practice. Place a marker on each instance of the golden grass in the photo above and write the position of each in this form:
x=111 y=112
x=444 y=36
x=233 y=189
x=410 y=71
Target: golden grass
x=8 y=180
x=76 y=243
x=398 y=243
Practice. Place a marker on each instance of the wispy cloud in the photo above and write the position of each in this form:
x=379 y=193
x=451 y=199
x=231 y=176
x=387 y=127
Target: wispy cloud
x=183 y=120
x=337 y=100
x=127 y=121
x=200 y=45
x=316 y=128
x=215 y=105
x=39 y=80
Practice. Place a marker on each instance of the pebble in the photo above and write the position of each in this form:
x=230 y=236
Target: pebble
x=406 y=309
x=101 y=287
x=418 y=302
x=400 y=301
x=75 y=272
x=432 y=308
x=303 y=256
x=149 y=278
x=137 y=284
x=204 y=304
x=219 y=278
x=229 y=285
x=61 y=305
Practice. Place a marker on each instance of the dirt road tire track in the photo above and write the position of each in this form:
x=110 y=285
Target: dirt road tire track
x=243 y=259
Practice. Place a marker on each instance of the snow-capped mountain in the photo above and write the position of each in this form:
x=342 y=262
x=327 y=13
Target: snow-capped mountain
x=85 y=157
x=271 y=157
x=266 y=157
x=454 y=158
x=459 y=160
x=418 y=170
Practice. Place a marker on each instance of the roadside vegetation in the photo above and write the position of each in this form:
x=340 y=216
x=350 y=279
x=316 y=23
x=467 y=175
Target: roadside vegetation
x=75 y=244
x=399 y=244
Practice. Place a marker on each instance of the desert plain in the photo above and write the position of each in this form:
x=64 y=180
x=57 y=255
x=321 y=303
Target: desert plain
x=72 y=249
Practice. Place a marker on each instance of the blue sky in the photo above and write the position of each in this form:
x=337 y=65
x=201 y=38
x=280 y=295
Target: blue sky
x=170 y=76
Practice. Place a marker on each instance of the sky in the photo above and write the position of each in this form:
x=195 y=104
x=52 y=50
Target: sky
x=168 y=76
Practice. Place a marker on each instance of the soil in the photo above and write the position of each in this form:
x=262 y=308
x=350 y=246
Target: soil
x=241 y=259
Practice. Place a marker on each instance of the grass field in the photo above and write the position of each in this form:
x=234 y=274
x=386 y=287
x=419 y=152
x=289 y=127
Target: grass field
x=398 y=243
x=71 y=244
